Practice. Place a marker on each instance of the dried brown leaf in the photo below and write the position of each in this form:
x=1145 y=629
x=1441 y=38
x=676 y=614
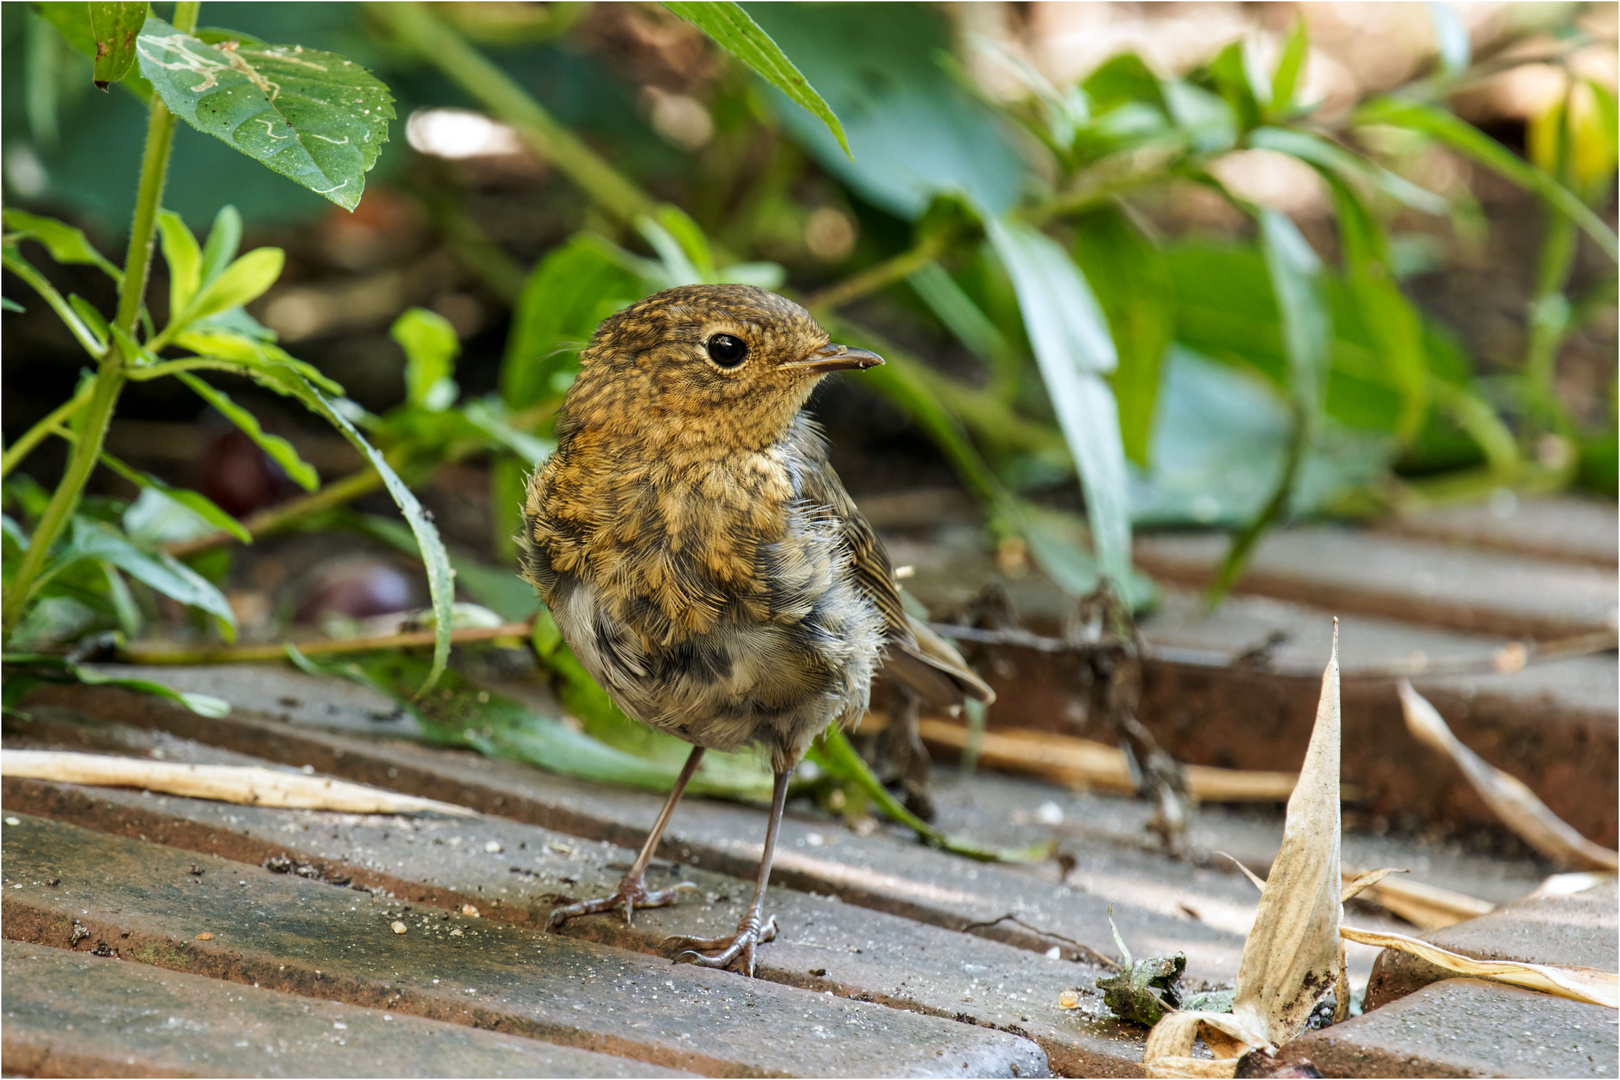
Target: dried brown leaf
x=1354 y=886
x=1512 y=801
x=1578 y=983
x=1293 y=956
x=1427 y=907
x=248 y=784
x=1168 y=1052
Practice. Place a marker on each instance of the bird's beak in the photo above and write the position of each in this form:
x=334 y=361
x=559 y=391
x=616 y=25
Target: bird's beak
x=832 y=357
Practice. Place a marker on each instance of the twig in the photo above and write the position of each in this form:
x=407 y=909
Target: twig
x=881 y=276
x=1079 y=947
x=146 y=654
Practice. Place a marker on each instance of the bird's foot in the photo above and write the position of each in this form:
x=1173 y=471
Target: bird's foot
x=631 y=894
x=751 y=932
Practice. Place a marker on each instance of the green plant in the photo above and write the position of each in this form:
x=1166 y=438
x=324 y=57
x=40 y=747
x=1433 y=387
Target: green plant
x=311 y=116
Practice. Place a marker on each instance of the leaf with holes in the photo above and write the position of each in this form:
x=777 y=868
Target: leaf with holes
x=313 y=117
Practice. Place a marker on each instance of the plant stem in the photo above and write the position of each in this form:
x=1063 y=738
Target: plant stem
x=878 y=277
x=110 y=377
x=246 y=654
x=413 y=25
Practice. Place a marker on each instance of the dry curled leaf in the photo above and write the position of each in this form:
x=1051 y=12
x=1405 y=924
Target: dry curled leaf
x=1427 y=907
x=1507 y=795
x=1579 y=983
x=1293 y=956
x=249 y=784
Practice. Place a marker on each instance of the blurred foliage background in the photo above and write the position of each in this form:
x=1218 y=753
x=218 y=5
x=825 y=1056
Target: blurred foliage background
x=1242 y=263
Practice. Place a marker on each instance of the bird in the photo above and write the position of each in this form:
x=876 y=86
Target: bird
x=703 y=561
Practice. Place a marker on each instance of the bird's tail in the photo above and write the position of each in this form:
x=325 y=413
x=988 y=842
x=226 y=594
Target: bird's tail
x=935 y=670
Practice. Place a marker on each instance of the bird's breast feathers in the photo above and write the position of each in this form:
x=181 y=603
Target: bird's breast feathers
x=710 y=598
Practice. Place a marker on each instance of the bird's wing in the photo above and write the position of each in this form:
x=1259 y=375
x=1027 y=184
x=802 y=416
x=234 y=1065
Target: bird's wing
x=918 y=657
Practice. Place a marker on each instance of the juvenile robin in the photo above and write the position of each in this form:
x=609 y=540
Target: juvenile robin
x=703 y=561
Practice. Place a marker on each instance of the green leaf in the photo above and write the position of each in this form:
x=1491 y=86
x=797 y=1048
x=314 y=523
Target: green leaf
x=1296 y=282
x=242 y=281
x=489 y=416
x=223 y=240
x=833 y=752
x=184 y=257
x=676 y=266
x=247 y=355
x=280 y=450
x=90 y=539
x=693 y=244
x=8 y=304
x=571 y=290
x=195 y=503
x=430 y=346
x=1231 y=73
x=1396 y=326
x=1329 y=157
x=65 y=243
x=441 y=579
x=60 y=669
x=733 y=30
x=1285 y=80
x=12 y=260
x=1474 y=143
x=115 y=26
x=312 y=116
x=94 y=320
x=1069 y=334
x=913 y=130
x=1133 y=285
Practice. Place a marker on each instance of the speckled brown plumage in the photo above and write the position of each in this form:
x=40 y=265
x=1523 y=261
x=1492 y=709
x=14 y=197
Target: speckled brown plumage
x=699 y=554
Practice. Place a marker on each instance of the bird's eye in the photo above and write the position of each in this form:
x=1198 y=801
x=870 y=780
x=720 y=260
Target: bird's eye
x=727 y=351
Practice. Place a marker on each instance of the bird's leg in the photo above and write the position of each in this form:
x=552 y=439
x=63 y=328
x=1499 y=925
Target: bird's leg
x=632 y=892
x=754 y=929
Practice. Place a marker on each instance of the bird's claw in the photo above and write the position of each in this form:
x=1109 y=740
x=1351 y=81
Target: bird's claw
x=751 y=932
x=630 y=894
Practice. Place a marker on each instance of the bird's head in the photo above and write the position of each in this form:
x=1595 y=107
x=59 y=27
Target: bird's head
x=732 y=363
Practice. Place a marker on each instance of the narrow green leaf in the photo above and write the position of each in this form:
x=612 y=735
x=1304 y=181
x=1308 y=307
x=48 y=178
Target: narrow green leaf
x=259 y=359
x=184 y=257
x=1474 y=143
x=242 y=281
x=280 y=450
x=489 y=416
x=65 y=243
x=833 y=752
x=1133 y=285
x=94 y=320
x=674 y=266
x=125 y=608
x=1394 y=323
x=694 y=244
x=62 y=669
x=115 y=26
x=1070 y=337
x=12 y=260
x=431 y=347
x=1296 y=282
x=90 y=539
x=1285 y=80
x=223 y=240
x=194 y=502
x=8 y=304
x=1328 y=156
x=1231 y=73
x=441 y=578
x=735 y=31
x=312 y=116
